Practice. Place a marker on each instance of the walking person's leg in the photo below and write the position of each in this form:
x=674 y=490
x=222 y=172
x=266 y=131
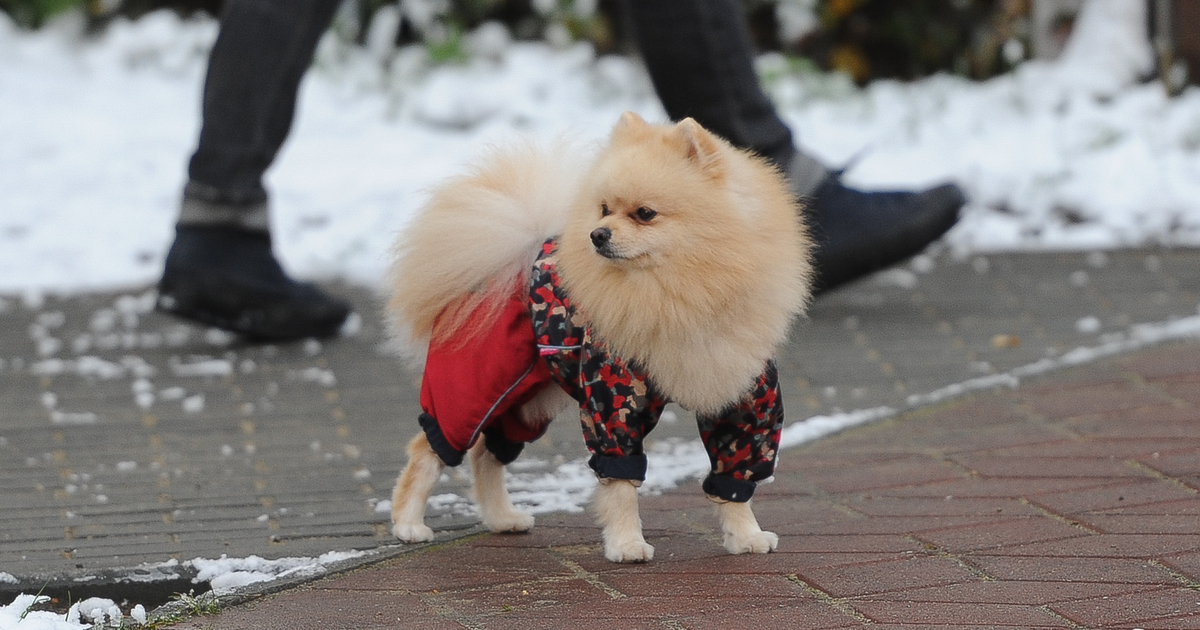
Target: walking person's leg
x=220 y=269
x=701 y=60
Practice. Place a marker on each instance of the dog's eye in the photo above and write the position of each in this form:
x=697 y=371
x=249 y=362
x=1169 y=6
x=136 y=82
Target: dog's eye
x=604 y=211
x=644 y=214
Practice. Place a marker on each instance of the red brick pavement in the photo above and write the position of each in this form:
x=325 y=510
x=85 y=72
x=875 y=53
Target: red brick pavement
x=1068 y=503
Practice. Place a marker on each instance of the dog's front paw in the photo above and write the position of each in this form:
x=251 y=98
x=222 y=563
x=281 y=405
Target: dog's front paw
x=512 y=522
x=751 y=542
x=412 y=532
x=629 y=552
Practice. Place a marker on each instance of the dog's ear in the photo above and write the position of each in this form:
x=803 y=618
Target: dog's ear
x=629 y=123
x=700 y=146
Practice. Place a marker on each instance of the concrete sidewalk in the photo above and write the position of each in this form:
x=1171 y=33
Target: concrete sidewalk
x=132 y=444
x=1071 y=502
x=129 y=438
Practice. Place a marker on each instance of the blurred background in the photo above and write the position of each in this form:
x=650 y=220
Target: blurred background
x=867 y=39
x=1071 y=124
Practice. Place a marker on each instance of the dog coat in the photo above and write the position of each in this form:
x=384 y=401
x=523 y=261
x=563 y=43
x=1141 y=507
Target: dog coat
x=475 y=389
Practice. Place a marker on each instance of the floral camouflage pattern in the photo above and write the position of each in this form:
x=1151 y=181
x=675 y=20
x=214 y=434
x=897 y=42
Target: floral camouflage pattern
x=619 y=405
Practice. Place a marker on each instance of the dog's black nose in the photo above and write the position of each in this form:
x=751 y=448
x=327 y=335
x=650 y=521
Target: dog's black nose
x=601 y=237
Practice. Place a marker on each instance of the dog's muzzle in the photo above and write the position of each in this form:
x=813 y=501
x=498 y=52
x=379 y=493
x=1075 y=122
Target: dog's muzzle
x=601 y=237
x=602 y=241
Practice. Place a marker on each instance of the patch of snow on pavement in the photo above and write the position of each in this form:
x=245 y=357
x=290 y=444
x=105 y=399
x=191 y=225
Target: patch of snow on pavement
x=201 y=366
x=98 y=610
x=14 y=616
x=569 y=486
x=226 y=574
x=565 y=489
x=674 y=461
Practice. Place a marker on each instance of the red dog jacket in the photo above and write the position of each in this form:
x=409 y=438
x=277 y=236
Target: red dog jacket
x=480 y=384
x=476 y=388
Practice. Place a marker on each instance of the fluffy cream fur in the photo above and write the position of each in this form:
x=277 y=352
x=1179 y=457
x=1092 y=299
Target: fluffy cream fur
x=741 y=531
x=707 y=265
x=495 y=507
x=616 y=507
x=477 y=237
x=412 y=491
x=707 y=288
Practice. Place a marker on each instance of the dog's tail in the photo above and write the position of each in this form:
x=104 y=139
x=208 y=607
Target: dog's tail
x=474 y=242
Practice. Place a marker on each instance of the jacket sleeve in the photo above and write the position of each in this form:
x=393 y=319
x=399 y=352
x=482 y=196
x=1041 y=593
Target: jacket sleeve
x=618 y=409
x=743 y=441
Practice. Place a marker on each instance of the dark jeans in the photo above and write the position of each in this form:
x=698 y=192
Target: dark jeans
x=254 y=71
x=701 y=60
x=698 y=52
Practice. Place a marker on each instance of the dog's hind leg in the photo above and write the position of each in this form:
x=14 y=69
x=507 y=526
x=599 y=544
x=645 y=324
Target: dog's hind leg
x=412 y=491
x=616 y=506
x=495 y=507
x=742 y=533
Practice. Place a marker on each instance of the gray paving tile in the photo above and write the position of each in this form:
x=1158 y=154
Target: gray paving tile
x=128 y=437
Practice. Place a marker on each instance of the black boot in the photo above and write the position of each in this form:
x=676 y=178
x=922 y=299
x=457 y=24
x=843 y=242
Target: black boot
x=861 y=232
x=227 y=277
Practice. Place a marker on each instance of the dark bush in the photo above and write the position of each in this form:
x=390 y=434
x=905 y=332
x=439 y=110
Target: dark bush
x=867 y=39
x=871 y=39
x=34 y=13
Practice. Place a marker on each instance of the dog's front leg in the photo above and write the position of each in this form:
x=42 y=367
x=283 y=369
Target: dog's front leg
x=412 y=491
x=616 y=506
x=742 y=533
x=495 y=507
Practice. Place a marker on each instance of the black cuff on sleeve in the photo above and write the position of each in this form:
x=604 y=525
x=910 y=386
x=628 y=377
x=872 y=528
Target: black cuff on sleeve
x=728 y=488
x=504 y=450
x=448 y=454
x=631 y=467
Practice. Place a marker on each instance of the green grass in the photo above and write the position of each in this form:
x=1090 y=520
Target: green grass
x=35 y=13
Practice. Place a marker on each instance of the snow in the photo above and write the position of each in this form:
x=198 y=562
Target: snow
x=226 y=574
x=1064 y=155
x=73 y=419
x=569 y=485
x=565 y=489
x=323 y=377
x=201 y=366
x=98 y=610
x=193 y=403
x=674 y=461
x=1075 y=154
x=82 y=366
x=1088 y=325
x=14 y=616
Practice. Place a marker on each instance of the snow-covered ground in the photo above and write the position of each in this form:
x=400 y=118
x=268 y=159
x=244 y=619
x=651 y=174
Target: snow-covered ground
x=97 y=131
x=223 y=574
x=95 y=134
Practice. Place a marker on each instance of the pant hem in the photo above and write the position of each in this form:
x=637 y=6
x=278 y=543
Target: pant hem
x=728 y=488
x=631 y=467
x=248 y=218
x=437 y=440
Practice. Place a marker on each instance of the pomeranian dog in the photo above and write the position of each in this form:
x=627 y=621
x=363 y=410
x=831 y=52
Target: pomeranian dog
x=667 y=268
